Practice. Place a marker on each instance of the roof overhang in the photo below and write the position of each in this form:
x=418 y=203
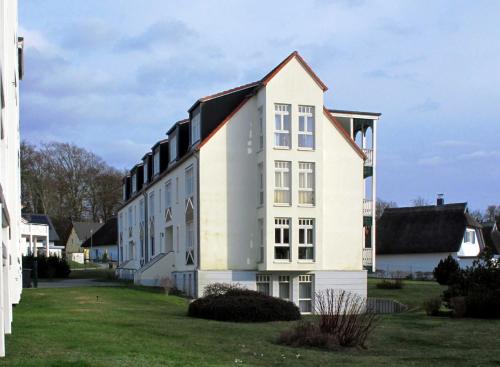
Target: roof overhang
x=355 y=114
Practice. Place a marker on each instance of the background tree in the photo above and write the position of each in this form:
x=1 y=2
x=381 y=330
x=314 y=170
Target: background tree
x=381 y=205
x=420 y=201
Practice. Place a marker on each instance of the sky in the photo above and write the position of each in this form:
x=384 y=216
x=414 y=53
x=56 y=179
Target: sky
x=113 y=75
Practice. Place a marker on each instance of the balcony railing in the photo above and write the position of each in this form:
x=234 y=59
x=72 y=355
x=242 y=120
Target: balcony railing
x=369 y=157
x=367 y=257
x=367 y=208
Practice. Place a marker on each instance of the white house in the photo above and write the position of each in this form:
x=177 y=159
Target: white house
x=11 y=72
x=34 y=237
x=52 y=247
x=261 y=185
x=103 y=243
x=415 y=239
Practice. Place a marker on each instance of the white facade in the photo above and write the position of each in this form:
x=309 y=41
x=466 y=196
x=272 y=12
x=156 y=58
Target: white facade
x=276 y=206
x=10 y=251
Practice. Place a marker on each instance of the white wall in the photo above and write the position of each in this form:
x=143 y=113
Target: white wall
x=416 y=262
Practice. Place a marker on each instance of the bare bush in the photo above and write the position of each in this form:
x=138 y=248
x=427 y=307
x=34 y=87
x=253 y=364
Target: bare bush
x=167 y=284
x=219 y=289
x=344 y=316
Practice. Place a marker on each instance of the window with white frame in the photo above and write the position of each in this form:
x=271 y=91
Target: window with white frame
x=168 y=194
x=134 y=182
x=282 y=239
x=284 y=287
x=189 y=243
x=306 y=183
x=172 y=147
x=306 y=239
x=177 y=190
x=195 y=128
x=141 y=210
x=260 y=169
x=305 y=293
x=261 y=129
x=145 y=171
x=156 y=162
x=130 y=217
x=282 y=180
x=306 y=127
x=135 y=215
x=152 y=204
x=470 y=236
x=264 y=284
x=189 y=183
x=282 y=126
x=260 y=224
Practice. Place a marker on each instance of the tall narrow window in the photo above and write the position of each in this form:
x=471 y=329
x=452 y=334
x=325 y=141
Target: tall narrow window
x=282 y=239
x=282 y=126
x=124 y=192
x=282 y=182
x=130 y=217
x=261 y=128
x=260 y=169
x=169 y=239
x=305 y=293
x=195 y=128
x=168 y=194
x=151 y=204
x=189 y=182
x=177 y=190
x=134 y=182
x=173 y=147
x=260 y=224
x=189 y=243
x=306 y=127
x=306 y=183
x=141 y=210
x=284 y=287
x=156 y=163
x=145 y=178
x=264 y=284
x=306 y=239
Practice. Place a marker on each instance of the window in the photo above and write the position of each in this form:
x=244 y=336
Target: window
x=134 y=182
x=264 y=284
x=284 y=287
x=177 y=190
x=260 y=223
x=195 y=128
x=282 y=182
x=189 y=182
x=141 y=210
x=152 y=242
x=305 y=293
x=470 y=236
x=135 y=215
x=282 y=126
x=177 y=238
x=130 y=217
x=261 y=129
x=282 y=239
x=124 y=192
x=169 y=239
x=156 y=163
x=168 y=194
x=173 y=148
x=306 y=239
x=189 y=243
x=306 y=183
x=260 y=169
x=152 y=204
x=145 y=171
x=306 y=127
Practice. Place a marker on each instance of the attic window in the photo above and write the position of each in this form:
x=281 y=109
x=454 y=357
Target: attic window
x=470 y=236
x=173 y=148
x=156 y=163
x=145 y=171
x=195 y=128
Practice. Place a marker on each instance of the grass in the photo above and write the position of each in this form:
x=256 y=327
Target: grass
x=129 y=326
x=74 y=265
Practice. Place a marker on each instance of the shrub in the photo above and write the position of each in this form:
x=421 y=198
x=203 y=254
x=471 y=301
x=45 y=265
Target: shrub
x=307 y=334
x=458 y=306
x=446 y=271
x=432 y=306
x=390 y=284
x=217 y=289
x=243 y=305
x=48 y=267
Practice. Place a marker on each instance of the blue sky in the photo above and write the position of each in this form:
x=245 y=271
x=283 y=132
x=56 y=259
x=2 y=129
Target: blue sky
x=112 y=76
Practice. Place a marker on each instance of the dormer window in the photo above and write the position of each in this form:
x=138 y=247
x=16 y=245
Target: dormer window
x=145 y=171
x=173 y=148
x=195 y=128
x=156 y=163
x=134 y=183
x=124 y=192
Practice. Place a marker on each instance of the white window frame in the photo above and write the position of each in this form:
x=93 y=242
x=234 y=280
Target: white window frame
x=261 y=129
x=284 y=280
x=283 y=224
x=172 y=147
x=282 y=169
x=195 y=128
x=470 y=236
x=190 y=243
x=168 y=194
x=306 y=279
x=260 y=169
x=145 y=173
x=156 y=162
x=307 y=180
x=134 y=183
x=177 y=190
x=189 y=181
x=306 y=114
x=306 y=224
x=282 y=117
x=263 y=279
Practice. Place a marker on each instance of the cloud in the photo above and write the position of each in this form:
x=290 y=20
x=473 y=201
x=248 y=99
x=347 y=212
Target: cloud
x=428 y=106
x=431 y=161
x=480 y=154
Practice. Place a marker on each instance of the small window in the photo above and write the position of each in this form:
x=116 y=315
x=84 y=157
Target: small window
x=177 y=190
x=189 y=182
x=284 y=287
x=306 y=127
x=173 y=147
x=282 y=239
x=141 y=210
x=260 y=223
x=261 y=128
x=282 y=126
x=305 y=293
x=156 y=163
x=124 y=192
x=145 y=172
x=306 y=183
x=264 y=284
x=306 y=239
x=282 y=178
x=152 y=204
x=195 y=128
x=134 y=183
x=168 y=194
x=260 y=169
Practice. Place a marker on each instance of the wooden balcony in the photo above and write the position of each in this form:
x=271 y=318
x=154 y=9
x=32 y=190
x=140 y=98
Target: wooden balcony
x=367 y=208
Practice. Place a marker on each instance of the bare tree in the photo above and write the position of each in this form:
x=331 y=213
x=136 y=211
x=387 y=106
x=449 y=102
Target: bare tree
x=420 y=201
x=382 y=205
x=492 y=211
x=477 y=215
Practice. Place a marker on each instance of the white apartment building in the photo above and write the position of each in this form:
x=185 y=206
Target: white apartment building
x=11 y=71
x=262 y=185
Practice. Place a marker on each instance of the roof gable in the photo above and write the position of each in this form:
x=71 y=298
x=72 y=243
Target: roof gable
x=84 y=229
x=106 y=235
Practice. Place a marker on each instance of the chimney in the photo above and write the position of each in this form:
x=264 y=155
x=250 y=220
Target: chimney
x=440 y=200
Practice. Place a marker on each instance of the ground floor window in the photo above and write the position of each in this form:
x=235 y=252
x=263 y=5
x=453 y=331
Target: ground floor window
x=305 y=293
x=264 y=284
x=284 y=287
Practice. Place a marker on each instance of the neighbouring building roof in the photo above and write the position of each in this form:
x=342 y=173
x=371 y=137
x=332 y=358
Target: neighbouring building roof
x=43 y=219
x=491 y=234
x=106 y=235
x=423 y=229
x=83 y=229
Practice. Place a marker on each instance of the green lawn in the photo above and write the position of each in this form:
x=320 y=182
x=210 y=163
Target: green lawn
x=125 y=326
